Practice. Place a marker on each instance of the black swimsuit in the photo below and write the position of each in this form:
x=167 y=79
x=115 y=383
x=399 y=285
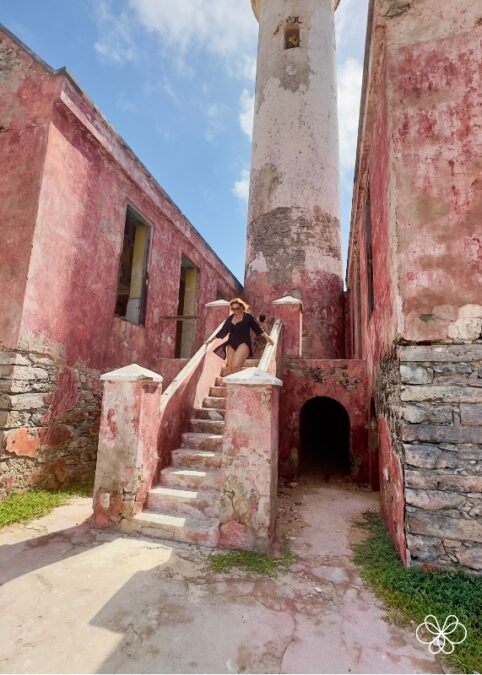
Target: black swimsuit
x=239 y=333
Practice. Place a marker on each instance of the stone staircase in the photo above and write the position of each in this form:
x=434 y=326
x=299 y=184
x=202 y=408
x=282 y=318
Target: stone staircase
x=185 y=504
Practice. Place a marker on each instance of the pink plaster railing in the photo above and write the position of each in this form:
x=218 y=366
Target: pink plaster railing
x=186 y=391
x=250 y=453
x=140 y=426
x=270 y=361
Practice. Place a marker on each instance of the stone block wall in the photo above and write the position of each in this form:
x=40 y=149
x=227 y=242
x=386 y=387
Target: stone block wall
x=49 y=419
x=441 y=430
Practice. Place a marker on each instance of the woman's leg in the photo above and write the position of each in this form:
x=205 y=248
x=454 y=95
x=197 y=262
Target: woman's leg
x=227 y=370
x=240 y=356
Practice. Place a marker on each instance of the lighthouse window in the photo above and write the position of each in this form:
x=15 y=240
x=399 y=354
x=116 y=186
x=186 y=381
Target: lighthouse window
x=292 y=36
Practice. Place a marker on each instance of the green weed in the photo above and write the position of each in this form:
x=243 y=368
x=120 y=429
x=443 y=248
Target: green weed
x=411 y=594
x=36 y=503
x=259 y=563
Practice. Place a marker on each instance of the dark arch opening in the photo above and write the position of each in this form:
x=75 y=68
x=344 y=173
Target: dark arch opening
x=325 y=438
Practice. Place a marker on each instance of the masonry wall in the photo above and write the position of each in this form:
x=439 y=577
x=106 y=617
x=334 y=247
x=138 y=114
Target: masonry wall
x=442 y=439
x=63 y=333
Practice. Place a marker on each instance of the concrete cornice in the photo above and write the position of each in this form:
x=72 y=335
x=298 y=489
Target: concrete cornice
x=257 y=6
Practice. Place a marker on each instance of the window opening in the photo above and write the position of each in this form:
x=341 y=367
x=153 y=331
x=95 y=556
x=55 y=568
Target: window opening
x=369 y=252
x=292 y=33
x=133 y=277
x=187 y=307
x=359 y=350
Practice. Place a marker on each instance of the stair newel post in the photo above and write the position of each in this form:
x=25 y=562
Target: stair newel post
x=250 y=461
x=128 y=436
x=290 y=312
x=216 y=312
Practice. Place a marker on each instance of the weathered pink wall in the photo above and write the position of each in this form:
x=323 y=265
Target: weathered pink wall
x=420 y=154
x=66 y=181
x=434 y=53
x=80 y=227
x=26 y=93
x=343 y=381
x=392 y=493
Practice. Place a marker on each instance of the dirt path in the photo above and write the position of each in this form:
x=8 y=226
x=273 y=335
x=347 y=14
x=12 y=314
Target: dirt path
x=80 y=601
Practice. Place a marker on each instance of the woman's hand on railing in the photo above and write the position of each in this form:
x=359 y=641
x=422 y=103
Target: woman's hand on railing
x=268 y=338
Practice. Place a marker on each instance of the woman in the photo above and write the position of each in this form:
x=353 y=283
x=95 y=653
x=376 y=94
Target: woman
x=238 y=346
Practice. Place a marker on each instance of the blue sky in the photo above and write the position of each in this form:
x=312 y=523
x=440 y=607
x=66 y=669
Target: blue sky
x=176 y=80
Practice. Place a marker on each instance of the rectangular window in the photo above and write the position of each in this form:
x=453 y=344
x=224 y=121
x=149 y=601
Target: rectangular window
x=369 y=252
x=359 y=350
x=133 y=276
x=186 y=311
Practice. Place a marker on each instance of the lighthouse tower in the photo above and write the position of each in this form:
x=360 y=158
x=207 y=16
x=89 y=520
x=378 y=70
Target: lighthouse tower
x=293 y=216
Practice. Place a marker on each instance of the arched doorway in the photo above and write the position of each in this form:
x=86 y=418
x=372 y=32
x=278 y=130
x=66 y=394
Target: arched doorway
x=324 y=438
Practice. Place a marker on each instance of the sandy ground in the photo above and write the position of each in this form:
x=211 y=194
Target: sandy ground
x=81 y=601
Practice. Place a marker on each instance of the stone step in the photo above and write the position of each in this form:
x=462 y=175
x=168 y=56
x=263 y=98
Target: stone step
x=215 y=414
x=219 y=382
x=196 y=441
x=214 y=402
x=207 y=426
x=189 y=529
x=196 y=459
x=184 y=502
x=217 y=392
x=190 y=479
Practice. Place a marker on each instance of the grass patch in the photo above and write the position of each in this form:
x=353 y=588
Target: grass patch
x=411 y=594
x=36 y=503
x=259 y=563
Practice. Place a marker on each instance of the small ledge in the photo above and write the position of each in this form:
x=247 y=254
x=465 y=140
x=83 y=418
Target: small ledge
x=131 y=373
x=217 y=303
x=253 y=377
x=288 y=300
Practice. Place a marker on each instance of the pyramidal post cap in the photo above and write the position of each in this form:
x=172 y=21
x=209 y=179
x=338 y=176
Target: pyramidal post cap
x=257 y=6
x=288 y=300
x=131 y=373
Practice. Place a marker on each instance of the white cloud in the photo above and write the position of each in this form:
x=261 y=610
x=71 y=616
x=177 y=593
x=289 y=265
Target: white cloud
x=350 y=74
x=246 y=115
x=116 y=43
x=223 y=28
x=241 y=187
x=215 y=114
x=350 y=21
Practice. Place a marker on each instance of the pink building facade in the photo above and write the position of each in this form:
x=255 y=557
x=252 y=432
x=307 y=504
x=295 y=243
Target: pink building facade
x=96 y=264
x=415 y=271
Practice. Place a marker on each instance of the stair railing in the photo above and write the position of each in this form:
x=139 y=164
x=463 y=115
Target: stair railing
x=249 y=472
x=270 y=361
x=140 y=427
x=187 y=391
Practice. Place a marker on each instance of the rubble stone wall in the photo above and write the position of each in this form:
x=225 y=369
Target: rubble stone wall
x=49 y=420
x=441 y=406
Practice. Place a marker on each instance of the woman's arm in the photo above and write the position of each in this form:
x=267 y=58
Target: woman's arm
x=224 y=330
x=258 y=330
